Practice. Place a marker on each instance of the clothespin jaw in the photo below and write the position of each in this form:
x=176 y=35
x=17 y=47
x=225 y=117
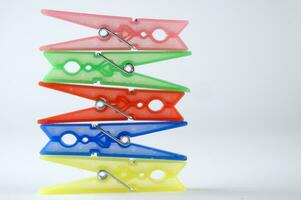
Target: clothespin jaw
x=117 y=104
x=120 y=33
x=106 y=140
x=109 y=68
x=118 y=175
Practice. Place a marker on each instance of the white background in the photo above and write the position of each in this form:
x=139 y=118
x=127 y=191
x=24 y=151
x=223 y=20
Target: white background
x=243 y=139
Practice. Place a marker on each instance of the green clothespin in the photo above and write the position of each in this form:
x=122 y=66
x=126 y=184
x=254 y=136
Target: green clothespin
x=109 y=68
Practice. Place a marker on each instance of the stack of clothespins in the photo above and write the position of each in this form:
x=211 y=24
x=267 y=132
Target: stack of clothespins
x=106 y=148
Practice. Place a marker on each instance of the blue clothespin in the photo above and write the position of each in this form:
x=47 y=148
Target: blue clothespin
x=109 y=140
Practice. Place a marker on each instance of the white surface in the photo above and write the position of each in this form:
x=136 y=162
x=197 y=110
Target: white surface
x=244 y=107
x=191 y=194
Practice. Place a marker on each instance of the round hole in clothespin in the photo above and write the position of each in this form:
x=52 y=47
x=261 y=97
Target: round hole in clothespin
x=88 y=67
x=141 y=175
x=103 y=32
x=68 y=139
x=159 y=34
x=143 y=34
x=129 y=68
x=72 y=67
x=157 y=174
x=85 y=139
x=139 y=104
x=155 y=105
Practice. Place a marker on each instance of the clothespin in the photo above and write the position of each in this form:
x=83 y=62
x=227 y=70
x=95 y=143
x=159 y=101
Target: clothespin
x=118 y=175
x=109 y=68
x=118 y=104
x=109 y=140
x=121 y=33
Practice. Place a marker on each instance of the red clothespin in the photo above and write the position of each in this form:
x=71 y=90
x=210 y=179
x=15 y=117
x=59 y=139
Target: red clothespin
x=117 y=104
x=121 y=33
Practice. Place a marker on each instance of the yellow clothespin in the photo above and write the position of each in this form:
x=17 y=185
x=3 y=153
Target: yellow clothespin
x=119 y=175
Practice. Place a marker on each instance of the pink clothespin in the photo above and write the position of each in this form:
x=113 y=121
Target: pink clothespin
x=120 y=33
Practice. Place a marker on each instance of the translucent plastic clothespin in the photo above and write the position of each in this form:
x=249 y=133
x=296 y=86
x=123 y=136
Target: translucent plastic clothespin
x=109 y=68
x=106 y=140
x=121 y=33
x=118 y=175
x=118 y=104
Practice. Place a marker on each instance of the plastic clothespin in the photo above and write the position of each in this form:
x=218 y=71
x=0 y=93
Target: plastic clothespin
x=109 y=140
x=121 y=33
x=118 y=104
x=109 y=68
x=118 y=175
